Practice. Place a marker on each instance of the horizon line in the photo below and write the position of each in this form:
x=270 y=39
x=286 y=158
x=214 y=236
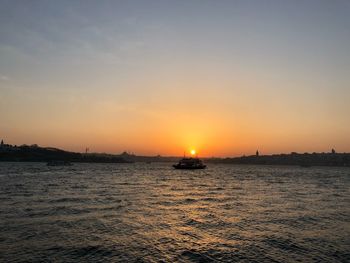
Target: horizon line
x=257 y=153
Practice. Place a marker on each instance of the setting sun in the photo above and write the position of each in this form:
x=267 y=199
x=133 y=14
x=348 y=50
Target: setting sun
x=174 y=130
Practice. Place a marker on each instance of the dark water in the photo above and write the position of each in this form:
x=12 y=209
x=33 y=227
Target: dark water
x=152 y=213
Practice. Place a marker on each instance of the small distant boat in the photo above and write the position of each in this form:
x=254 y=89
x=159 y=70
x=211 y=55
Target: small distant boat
x=190 y=164
x=59 y=163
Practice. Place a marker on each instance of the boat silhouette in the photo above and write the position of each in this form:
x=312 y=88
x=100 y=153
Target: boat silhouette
x=190 y=164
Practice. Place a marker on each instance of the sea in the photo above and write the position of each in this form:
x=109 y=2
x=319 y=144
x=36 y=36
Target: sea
x=150 y=212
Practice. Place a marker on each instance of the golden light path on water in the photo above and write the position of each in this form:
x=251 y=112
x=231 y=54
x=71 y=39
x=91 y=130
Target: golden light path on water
x=151 y=212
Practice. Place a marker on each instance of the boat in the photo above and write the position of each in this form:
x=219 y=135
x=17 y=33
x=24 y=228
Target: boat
x=59 y=163
x=190 y=164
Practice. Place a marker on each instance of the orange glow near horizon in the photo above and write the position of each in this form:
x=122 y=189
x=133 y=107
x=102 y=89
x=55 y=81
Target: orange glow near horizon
x=152 y=83
x=213 y=126
x=209 y=135
x=158 y=120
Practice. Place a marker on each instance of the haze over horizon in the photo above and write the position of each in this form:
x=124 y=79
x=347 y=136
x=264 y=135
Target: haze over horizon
x=157 y=77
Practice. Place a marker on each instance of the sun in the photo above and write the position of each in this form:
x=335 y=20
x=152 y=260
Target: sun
x=193 y=152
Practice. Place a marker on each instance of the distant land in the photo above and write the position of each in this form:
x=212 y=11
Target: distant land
x=35 y=153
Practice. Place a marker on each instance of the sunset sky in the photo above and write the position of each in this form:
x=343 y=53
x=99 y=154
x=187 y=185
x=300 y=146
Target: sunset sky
x=159 y=77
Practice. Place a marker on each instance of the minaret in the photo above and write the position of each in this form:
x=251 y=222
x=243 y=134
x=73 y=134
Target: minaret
x=257 y=153
x=2 y=143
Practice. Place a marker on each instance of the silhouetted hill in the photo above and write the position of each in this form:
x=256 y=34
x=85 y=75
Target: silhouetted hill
x=305 y=159
x=35 y=153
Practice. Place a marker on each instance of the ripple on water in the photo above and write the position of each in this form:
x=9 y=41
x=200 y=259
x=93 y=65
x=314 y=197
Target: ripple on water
x=152 y=213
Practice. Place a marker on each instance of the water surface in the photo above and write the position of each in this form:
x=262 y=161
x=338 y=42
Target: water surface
x=152 y=213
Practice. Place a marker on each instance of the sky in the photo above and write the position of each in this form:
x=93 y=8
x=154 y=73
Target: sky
x=162 y=77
